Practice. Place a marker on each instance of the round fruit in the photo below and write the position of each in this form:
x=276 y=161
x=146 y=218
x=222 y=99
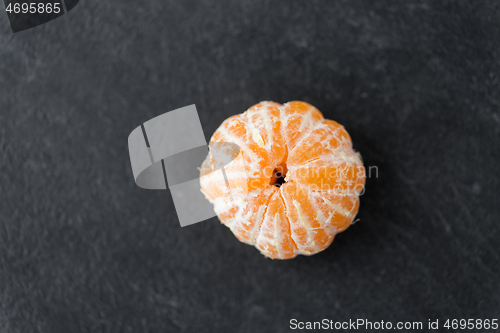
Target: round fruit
x=294 y=184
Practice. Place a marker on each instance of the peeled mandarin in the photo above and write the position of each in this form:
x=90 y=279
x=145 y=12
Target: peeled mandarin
x=294 y=184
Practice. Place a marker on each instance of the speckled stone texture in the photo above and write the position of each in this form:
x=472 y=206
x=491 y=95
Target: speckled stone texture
x=83 y=249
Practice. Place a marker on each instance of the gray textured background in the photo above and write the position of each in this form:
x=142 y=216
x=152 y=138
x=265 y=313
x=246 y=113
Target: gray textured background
x=82 y=249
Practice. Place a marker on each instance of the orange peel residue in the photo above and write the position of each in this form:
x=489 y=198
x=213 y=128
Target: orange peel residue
x=293 y=186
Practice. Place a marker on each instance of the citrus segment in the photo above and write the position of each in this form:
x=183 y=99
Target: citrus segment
x=274 y=239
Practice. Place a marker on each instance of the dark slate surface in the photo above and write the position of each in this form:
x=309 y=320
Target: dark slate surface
x=85 y=250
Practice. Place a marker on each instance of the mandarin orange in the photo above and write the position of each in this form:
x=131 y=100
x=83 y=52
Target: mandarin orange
x=294 y=183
